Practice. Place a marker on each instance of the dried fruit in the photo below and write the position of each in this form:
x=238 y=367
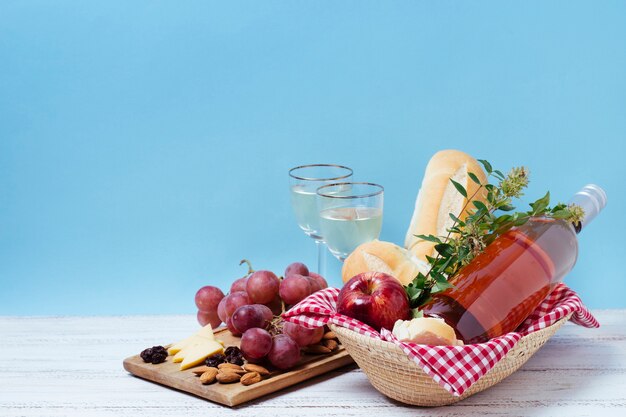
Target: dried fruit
x=317 y=349
x=154 y=355
x=215 y=360
x=331 y=344
x=233 y=355
x=251 y=367
x=251 y=378
x=329 y=335
x=227 y=377
x=235 y=360
x=209 y=376
x=232 y=350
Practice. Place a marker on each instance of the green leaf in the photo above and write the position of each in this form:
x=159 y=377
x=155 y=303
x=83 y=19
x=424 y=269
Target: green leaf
x=502 y=219
x=506 y=207
x=444 y=249
x=429 y=238
x=440 y=286
x=473 y=177
x=561 y=214
x=416 y=313
x=456 y=219
x=480 y=205
x=430 y=259
x=540 y=205
x=487 y=165
x=459 y=188
x=521 y=221
x=498 y=174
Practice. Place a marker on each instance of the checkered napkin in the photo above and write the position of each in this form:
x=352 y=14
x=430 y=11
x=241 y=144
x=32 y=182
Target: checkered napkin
x=455 y=368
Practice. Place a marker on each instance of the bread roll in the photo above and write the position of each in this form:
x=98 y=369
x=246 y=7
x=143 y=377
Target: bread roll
x=438 y=197
x=426 y=331
x=387 y=257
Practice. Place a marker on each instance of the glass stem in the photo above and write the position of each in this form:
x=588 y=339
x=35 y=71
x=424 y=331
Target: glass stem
x=321 y=258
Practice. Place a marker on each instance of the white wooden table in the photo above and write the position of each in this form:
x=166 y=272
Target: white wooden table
x=72 y=366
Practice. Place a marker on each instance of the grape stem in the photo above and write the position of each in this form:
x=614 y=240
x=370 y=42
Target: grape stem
x=250 y=270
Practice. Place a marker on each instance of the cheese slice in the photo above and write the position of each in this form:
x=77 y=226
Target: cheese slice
x=202 y=335
x=196 y=354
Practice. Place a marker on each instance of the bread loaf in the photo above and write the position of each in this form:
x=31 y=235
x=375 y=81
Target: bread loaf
x=438 y=197
x=426 y=331
x=387 y=257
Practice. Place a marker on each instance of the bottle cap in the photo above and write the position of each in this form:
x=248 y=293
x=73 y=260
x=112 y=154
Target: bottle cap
x=592 y=199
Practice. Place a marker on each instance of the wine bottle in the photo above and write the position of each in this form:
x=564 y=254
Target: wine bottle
x=503 y=285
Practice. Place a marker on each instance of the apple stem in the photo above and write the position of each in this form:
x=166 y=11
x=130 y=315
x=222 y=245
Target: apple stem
x=250 y=270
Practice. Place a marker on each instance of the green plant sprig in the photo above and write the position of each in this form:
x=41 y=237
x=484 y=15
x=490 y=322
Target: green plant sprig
x=483 y=224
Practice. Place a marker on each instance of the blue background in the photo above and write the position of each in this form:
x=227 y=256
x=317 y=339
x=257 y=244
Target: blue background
x=144 y=146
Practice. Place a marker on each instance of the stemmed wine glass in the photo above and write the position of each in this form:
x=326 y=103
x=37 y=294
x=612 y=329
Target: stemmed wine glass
x=304 y=181
x=351 y=213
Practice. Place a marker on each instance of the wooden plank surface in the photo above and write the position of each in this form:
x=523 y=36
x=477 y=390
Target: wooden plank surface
x=170 y=375
x=70 y=366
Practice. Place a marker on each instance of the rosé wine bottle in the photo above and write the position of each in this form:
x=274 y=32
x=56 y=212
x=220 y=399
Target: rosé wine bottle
x=503 y=285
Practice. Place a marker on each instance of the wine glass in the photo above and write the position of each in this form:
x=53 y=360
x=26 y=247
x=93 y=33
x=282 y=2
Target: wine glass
x=351 y=213
x=304 y=181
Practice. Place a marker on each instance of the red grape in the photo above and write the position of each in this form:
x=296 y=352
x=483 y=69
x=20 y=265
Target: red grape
x=262 y=286
x=315 y=285
x=206 y=317
x=267 y=312
x=276 y=305
x=303 y=336
x=239 y=284
x=250 y=316
x=208 y=297
x=285 y=352
x=294 y=288
x=320 y=279
x=296 y=268
x=230 y=303
x=221 y=311
x=233 y=331
x=256 y=343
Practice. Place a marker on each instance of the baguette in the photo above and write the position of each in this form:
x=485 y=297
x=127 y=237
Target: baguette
x=387 y=257
x=438 y=197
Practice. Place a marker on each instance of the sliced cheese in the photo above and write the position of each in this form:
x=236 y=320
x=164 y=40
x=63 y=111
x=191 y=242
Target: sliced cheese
x=196 y=354
x=203 y=334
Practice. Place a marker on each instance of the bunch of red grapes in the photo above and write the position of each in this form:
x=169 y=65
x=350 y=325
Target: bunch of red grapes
x=250 y=308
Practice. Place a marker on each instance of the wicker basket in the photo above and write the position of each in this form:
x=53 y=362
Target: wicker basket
x=392 y=373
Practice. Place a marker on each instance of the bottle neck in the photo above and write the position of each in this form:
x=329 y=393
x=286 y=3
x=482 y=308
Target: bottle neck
x=592 y=199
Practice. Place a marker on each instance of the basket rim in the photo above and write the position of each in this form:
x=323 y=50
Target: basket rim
x=390 y=346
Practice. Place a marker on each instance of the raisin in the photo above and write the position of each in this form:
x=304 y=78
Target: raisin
x=213 y=361
x=237 y=360
x=155 y=354
x=232 y=350
x=146 y=354
x=158 y=357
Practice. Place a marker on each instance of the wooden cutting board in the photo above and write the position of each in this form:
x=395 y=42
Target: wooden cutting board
x=168 y=374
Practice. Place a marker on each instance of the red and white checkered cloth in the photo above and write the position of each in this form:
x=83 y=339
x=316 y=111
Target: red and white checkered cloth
x=455 y=368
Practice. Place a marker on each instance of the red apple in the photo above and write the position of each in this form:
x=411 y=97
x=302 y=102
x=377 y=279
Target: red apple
x=374 y=298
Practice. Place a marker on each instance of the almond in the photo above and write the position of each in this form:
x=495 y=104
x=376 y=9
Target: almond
x=329 y=335
x=251 y=367
x=201 y=369
x=317 y=349
x=251 y=378
x=230 y=366
x=331 y=344
x=209 y=376
x=227 y=377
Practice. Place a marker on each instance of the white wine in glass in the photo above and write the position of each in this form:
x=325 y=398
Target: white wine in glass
x=351 y=213
x=304 y=181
